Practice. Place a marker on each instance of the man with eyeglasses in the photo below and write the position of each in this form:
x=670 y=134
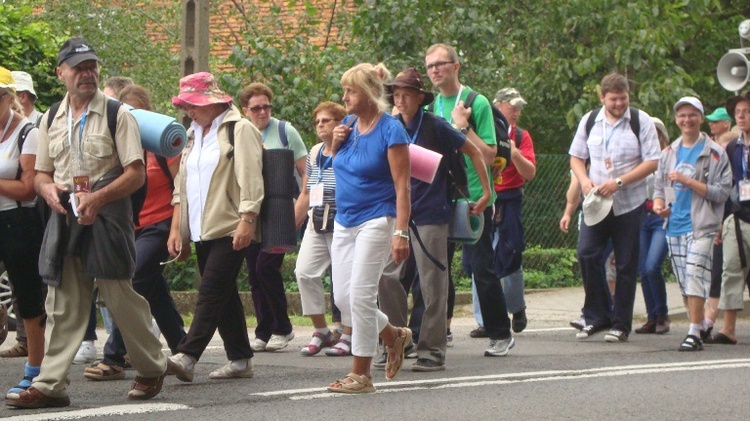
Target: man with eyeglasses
x=274 y=330
x=736 y=230
x=442 y=65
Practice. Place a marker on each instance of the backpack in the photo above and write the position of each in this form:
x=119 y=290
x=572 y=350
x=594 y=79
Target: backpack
x=138 y=197
x=458 y=186
x=635 y=123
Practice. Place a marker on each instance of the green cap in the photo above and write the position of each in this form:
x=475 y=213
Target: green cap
x=719 y=114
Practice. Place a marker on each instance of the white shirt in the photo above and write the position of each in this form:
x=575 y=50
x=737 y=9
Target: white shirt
x=200 y=166
x=10 y=160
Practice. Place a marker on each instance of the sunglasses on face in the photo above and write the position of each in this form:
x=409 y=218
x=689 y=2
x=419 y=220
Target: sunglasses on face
x=259 y=108
x=322 y=121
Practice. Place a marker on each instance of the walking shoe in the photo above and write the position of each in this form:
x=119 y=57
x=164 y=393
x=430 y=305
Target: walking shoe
x=616 y=335
x=648 y=327
x=691 y=343
x=29 y=372
x=589 y=331
x=279 y=342
x=499 y=347
x=449 y=338
x=258 y=345
x=34 y=399
x=578 y=324
x=479 y=332
x=18 y=350
x=144 y=388
x=425 y=365
x=379 y=362
x=410 y=351
x=230 y=371
x=323 y=341
x=103 y=372
x=705 y=334
x=519 y=321
x=86 y=353
x=662 y=325
x=3 y=323
x=182 y=366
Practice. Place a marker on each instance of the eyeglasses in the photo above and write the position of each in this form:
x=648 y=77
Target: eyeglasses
x=736 y=112
x=437 y=64
x=259 y=108
x=3 y=96
x=322 y=121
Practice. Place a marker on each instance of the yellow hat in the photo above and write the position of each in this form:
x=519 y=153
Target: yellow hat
x=6 y=79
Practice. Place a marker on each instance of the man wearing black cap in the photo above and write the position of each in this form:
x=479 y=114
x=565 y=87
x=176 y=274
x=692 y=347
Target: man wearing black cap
x=86 y=177
x=736 y=229
x=431 y=212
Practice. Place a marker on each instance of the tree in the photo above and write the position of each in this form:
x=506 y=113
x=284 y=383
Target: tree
x=29 y=46
x=133 y=38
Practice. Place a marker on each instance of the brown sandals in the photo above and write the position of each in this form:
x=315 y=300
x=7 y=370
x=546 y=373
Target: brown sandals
x=353 y=383
x=396 y=353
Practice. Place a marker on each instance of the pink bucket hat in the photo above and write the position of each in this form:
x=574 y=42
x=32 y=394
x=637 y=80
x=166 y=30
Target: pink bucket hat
x=200 y=89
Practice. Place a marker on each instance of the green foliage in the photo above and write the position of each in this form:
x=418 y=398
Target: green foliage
x=550 y=268
x=133 y=39
x=30 y=46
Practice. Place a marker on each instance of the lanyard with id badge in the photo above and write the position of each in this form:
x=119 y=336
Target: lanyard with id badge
x=322 y=214
x=744 y=184
x=81 y=178
x=316 y=191
x=609 y=165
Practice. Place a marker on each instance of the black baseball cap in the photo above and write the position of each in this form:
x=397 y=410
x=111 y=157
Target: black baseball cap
x=74 y=51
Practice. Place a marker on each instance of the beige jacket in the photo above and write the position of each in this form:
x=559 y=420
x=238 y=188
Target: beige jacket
x=236 y=186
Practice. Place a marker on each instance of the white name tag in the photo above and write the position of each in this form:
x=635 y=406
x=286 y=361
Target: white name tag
x=316 y=195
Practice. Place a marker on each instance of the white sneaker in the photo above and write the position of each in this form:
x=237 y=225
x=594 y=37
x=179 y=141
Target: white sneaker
x=182 y=366
x=86 y=353
x=258 y=345
x=278 y=342
x=229 y=371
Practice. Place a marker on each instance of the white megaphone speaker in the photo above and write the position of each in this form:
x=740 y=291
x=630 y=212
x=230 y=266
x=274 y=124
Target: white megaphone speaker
x=733 y=70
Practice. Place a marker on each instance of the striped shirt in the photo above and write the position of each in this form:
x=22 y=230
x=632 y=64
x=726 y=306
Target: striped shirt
x=314 y=175
x=620 y=143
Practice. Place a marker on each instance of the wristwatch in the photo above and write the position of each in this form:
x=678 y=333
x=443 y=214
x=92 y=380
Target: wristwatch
x=464 y=130
x=401 y=233
x=619 y=182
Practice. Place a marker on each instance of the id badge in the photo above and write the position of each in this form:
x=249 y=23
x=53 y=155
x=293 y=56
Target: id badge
x=81 y=184
x=744 y=190
x=316 y=195
x=608 y=165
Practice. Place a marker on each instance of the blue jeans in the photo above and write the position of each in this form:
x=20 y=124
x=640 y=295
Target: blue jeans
x=624 y=231
x=653 y=251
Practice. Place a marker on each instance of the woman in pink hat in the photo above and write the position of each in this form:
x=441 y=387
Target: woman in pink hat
x=217 y=198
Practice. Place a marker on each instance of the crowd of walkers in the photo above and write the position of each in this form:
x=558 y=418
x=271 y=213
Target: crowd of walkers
x=72 y=233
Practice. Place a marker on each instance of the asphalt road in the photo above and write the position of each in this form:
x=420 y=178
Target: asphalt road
x=548 y=375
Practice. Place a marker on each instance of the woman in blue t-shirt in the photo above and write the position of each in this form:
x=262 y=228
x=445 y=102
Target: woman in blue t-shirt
x=372 y=196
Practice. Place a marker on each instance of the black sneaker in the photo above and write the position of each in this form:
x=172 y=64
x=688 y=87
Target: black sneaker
x=589 y=331
x=705 y=334
x=691 y=343
x=616 y=335
x=379 y=362
x=427 y=365
x=519 y=321
x=410 y=351
x=479 y=332
x=578 y=324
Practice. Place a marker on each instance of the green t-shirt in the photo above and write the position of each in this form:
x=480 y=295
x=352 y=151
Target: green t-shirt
x=271 y=139
x=485 y=129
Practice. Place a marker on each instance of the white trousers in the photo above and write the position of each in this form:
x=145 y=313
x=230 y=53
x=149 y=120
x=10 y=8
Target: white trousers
x=313 y=260
x=359 y=254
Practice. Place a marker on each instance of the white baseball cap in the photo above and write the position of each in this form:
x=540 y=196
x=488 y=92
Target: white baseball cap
x=690 y=100
x=24 y=83
x=596 y=207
